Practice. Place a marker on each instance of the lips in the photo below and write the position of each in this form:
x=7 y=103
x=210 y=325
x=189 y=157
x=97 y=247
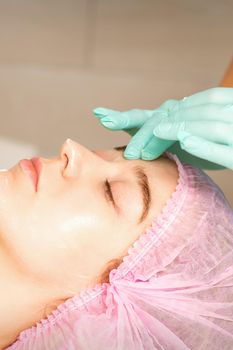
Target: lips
x=31 y=167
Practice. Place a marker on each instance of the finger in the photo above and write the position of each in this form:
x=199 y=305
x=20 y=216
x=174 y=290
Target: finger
x=104 y=112
x=101 y=112
x=139 y=140
x=116 y=120
x=213 y=152
x=168 y=105
x=132 y=131
x=216 y=112
x=155 y=148
x=217 y=95
x=210 y=130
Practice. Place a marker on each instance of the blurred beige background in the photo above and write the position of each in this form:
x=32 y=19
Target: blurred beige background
x=61 y=58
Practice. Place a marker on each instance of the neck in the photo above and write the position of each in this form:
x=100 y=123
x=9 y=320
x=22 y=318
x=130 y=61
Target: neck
x=18 y=296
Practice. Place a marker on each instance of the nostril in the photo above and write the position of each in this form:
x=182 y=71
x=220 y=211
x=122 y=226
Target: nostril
x=66 y=160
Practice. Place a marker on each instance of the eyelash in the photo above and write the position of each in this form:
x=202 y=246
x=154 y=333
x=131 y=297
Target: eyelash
x=108 y=191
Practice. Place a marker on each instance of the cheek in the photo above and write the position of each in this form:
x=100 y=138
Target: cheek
x=59 y=240
x=61 y=236
x=56 y=239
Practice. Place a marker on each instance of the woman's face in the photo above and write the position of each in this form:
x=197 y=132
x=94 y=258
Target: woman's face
x=64 y=233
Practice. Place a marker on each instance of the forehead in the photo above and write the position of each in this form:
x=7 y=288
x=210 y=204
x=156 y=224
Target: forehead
x=116 y=155
x=111 y=154
x=160 y=166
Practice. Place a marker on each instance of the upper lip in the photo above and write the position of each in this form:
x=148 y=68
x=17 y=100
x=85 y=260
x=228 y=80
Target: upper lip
x=32 y=168
x=37 y=165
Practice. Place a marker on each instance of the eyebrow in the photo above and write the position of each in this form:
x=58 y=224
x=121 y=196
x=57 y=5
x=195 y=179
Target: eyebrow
x=143 y=184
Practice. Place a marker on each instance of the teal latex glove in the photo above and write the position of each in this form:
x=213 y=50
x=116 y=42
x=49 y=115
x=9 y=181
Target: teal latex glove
x=198 y=129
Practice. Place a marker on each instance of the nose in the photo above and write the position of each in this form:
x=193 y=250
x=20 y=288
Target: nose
x=76 y=158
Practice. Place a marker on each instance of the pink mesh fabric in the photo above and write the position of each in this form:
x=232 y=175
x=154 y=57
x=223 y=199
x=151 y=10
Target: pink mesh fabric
x=174 y=289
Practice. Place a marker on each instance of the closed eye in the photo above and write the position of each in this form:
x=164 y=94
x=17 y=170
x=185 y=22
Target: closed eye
x=108 y=191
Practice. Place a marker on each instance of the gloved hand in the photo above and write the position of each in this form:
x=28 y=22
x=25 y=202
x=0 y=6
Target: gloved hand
x=198 y=129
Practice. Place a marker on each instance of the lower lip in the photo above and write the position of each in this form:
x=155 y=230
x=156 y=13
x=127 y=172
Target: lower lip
x=29 y=169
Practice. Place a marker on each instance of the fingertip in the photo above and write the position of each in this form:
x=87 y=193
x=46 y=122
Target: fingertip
x=98 y=114
x=108 y=123
x=148 y=156
x=158 y=134
x=129 y=154
x=182 y=135
x=102 y=112
x=163 y=130
x=191 y=142
x=182 y=146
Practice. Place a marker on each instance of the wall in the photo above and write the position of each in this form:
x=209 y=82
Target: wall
x=61 y=58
